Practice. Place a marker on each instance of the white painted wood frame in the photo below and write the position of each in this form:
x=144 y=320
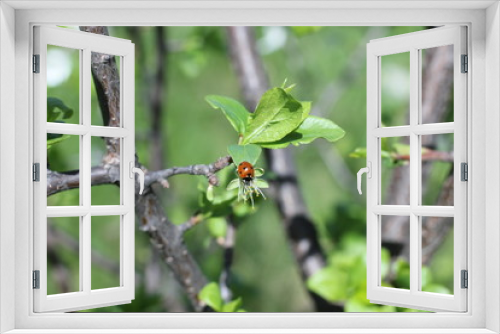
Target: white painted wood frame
x=413 y=43
x=16 y=22
x=85 y=43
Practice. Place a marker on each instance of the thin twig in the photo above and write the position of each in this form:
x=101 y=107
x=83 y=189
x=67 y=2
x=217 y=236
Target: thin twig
x=428 y=155
x=190 y=223
x=199 y=169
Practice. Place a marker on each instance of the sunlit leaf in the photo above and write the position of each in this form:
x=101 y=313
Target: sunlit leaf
x=426 y=276
x=259 y=172
x=217 y=227
x=234 y=184
x=277 y=114
x=402 y=270
x=261 y=183
x=385 y=262
x=210 y=193
x=329 y=283
x=210 y=295
x=53 y=139
x=303 y=31
x=240 y=153
x=312 y=128
x=232 y=306
x=234 y=111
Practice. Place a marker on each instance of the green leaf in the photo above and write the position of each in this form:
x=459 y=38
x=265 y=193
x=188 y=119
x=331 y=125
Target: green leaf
x=426 y=277
x=360 y=152
x=385 y=262
x=401 y=149
x=233 y=184
x=232 y=306
x=261 y=183
x=402 y=269
x=286 y=88
x=277 y=114
x=53 y=139
x=234 y=111
x=210 y=295
x=217 y=227
x=259 y=172
x=210 y=193
x=303 y=31
x=57 y=109
x=240 y=153
x=312 y=128
x=329 y=283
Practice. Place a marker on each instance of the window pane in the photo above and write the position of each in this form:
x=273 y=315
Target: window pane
x=395 y=89
x=437 y=169
x=395 y=264
x=437 y=84
x=437 y=254
x=63 y=84
x=63 y=255
x=105 y=231
x=107 y=68
x=106 y=157
x=395 y=171
x=63 y=157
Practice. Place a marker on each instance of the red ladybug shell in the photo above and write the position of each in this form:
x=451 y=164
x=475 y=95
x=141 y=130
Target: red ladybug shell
x=246 y=171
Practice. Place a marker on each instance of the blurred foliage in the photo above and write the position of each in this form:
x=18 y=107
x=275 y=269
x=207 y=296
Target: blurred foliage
x=329 y=64
x=211 y=296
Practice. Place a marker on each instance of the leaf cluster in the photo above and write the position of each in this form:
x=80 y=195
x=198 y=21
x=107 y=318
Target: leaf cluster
x=344 y=277
x=278 y=121
x=210 y=295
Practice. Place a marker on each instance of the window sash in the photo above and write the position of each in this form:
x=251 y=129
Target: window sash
x=413 y=43
x=86 y=298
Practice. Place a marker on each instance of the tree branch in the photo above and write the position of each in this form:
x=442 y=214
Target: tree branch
x=199 y=169
x=429 y=155
x=300 y=229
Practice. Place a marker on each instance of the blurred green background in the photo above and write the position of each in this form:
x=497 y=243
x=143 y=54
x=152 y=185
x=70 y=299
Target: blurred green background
x=328 y=64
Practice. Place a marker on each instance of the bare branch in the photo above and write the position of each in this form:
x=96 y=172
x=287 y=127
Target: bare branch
x=200 y=169
x=57 y=182
x=429 y=155
x=190 y=223
x=167 y=238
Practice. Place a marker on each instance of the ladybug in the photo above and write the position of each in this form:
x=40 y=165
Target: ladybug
x=246 y=172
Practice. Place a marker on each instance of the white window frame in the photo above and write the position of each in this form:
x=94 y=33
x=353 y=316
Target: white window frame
x=483 y=20
x=412 y=44
x=85 y=43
